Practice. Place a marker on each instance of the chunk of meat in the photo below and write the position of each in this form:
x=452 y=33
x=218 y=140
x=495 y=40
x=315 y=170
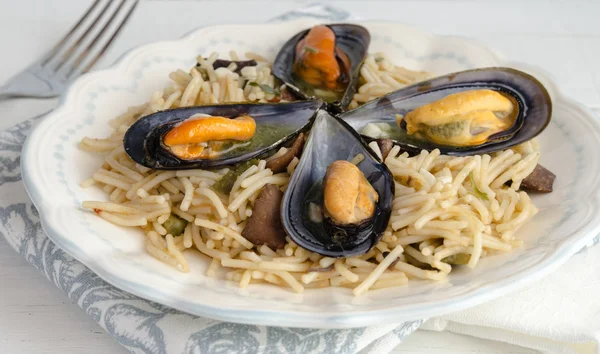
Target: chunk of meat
x=540 y=180
x=264 y=226
x=240 y=64
x=385 y=146
x=287 y=95
x=279 y=164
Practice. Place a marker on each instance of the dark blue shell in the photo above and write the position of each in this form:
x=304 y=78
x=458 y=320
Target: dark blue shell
x=331 y=139
x=535 y=108
x=351 y=39
x=143 y=140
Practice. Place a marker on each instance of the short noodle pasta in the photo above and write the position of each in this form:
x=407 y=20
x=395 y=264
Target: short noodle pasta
x=445 y=207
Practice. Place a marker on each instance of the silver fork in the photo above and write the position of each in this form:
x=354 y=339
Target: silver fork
x=50 y=75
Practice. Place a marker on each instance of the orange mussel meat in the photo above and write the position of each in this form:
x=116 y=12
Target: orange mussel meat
x=202 y=137
x=319 y=62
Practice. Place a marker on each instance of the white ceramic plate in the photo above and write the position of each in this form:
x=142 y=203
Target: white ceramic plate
x=53 y=167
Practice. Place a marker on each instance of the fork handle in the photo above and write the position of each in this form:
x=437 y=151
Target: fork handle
x=6 y=93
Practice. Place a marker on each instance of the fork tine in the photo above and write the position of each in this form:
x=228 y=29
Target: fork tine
x=66 y=37
x=111 y=39
x=65 y=57
x=94 y=41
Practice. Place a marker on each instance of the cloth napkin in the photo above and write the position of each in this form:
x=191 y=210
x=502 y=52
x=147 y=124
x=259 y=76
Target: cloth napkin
x=558 y=314
x=143 y=326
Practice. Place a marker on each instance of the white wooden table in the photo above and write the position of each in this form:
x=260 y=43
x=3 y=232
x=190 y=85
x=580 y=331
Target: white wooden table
x=561 y=37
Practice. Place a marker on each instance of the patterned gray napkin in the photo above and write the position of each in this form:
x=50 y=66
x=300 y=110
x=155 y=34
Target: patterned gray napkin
x=143 y=326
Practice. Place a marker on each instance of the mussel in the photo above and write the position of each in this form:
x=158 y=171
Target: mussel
x=212 y=136
x=464 y=113
x=324 y=62
x=339 y=198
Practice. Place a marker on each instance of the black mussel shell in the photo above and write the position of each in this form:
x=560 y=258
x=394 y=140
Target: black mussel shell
x=330 y=140
x=339 y=231
x=282 y=121
x=353 y=40
x=534 y=104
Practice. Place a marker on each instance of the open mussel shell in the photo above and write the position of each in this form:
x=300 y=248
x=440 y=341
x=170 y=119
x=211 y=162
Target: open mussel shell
x=353 y=40
x=276 y=124
x=330 y=140
x=531 y=97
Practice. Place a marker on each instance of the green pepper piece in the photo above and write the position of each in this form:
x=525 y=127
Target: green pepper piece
x=265 y=88
x=226 y=182
x=479 y=194
x=416 y=263
x=175 y=225
x=457 y=259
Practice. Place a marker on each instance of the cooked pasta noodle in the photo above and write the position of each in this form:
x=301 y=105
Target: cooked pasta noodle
x=444 y=206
